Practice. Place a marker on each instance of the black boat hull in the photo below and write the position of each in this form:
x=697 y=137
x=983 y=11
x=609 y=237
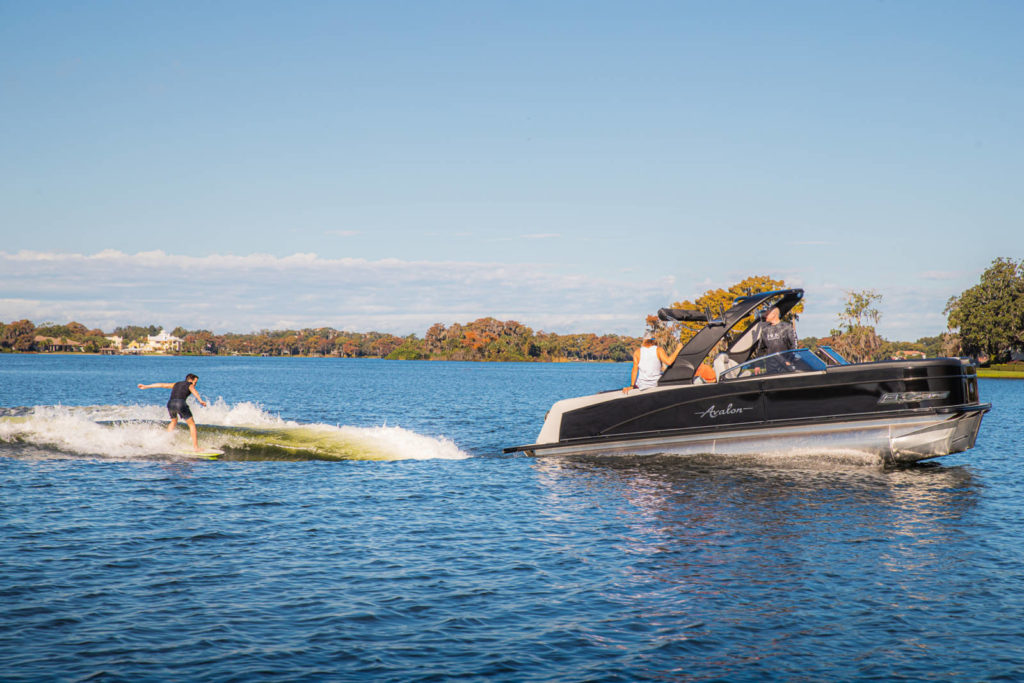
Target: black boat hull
x=899 y=412
x=890 y=439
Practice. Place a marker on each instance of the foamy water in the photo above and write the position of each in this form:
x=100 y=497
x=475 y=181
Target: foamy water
x=128 y=432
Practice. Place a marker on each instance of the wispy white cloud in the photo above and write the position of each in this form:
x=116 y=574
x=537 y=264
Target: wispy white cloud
x=227 y=292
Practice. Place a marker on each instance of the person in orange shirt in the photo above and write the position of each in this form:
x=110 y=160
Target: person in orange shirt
x=705 y=373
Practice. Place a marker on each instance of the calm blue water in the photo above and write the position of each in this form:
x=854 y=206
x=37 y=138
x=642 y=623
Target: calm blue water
x=448 y=560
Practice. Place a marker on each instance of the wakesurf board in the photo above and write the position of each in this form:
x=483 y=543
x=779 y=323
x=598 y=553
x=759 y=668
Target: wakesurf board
x=208 y=454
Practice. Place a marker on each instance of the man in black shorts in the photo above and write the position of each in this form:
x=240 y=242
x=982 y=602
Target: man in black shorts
x=177 y=406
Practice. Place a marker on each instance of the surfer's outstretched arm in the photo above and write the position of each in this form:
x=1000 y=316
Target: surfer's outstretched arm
x=158 y=385
x=195 y=393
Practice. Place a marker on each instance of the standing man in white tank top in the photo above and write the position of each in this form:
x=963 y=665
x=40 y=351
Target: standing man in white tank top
x=648 y=361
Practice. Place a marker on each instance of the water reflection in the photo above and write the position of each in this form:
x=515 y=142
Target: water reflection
x=685 y=490
x=775 y=541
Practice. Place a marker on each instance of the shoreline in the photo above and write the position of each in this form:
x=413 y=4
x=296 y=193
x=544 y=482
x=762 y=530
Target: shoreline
x=999 y=374
x=982 y=372
x=400 y=360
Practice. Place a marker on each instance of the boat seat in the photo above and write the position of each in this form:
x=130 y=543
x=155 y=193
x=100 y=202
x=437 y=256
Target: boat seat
x=745 y=343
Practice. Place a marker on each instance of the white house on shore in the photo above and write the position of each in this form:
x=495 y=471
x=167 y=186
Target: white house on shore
x=159 y=343
x=165 y=343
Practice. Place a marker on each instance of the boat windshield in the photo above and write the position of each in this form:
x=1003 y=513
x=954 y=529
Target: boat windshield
x=781 y=363
x=831 y=356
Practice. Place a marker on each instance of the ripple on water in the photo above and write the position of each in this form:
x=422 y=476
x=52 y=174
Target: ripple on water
x=514 y=568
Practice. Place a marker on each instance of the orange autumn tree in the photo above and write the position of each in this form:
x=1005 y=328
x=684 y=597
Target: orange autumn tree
x=716 y=301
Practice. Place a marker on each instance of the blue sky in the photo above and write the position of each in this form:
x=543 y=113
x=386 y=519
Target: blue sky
x=572 y=165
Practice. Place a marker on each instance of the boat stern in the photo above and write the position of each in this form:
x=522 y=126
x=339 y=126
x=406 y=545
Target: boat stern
x=953 y=435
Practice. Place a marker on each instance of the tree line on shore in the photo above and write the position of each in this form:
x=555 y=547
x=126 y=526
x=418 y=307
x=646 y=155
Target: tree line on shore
x=486 y=339
x=986 y=322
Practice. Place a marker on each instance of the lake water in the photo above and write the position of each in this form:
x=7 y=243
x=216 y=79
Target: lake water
x=363 y=524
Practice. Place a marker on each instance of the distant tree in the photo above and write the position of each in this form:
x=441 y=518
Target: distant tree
x=899 y=349
x=550 y=346
x=615 y=348
x=856 y=338
x=951 y=345
x=511 y=342
x=932 y=346
x=485 y=339
x=411 y=349
x=319 y=342
x=346 y=345
x=379 y=344
x=434 y=340
x=197 y=342
x=72 y=330
x=809 y=343
x=19 y=336
x=95 y=341
x=130 y=333
x=454 y=347
x=989 y=317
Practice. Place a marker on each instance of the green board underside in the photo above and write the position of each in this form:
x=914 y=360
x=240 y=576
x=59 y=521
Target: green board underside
x=201 y=454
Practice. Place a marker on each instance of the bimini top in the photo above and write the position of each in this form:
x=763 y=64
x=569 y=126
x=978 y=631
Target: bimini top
x=716 y=328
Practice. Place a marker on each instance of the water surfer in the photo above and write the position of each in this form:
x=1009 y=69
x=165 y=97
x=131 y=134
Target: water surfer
x=177 y=405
